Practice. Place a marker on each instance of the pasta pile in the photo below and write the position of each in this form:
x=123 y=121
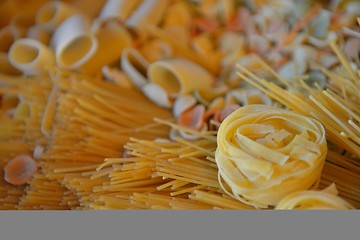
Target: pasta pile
x=179 y=104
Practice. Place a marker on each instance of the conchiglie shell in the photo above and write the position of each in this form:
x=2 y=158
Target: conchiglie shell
x=183 y=103
x=74 y=43
x=156 y=94
x=118 y=9
x=31 y=57
x=112 y=39
x=179 y=76
x=52 y=14
x=135 y=66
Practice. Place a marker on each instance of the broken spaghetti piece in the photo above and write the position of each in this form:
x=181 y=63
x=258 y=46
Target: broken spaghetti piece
x=264 y=153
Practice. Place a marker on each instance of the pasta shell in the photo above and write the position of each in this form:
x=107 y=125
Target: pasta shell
x=156 y=94
x=183 y=103
x=193 y=118
x=31 y=57
x=19 y=170
x=74 y=43
x=135 y=66
x=179 y=76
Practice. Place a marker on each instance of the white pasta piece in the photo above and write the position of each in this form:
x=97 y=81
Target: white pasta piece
x=53 y=13
x=112 y=37
x=265 y=153
x=156 y=94
x=74 y=43
x=179 y=76
x=31 y=57
x=150 y=11
x=118 y=9
x=135 y=66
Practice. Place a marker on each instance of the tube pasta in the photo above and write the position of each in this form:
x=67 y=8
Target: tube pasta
x=52 y=14
x=74 y=42
x=265 y=153
x=118 y=9
x=179 y=76
x=326 y=199
x=150 y=11
x=31 y=57
x=135 y=66
x=112 y=38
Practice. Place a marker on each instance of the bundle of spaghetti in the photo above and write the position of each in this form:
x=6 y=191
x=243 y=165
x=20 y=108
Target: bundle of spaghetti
x=43 y=194
x=92 y=120
x=22 y=106
x=316 y=200
x=337 y=107
x=163 y=174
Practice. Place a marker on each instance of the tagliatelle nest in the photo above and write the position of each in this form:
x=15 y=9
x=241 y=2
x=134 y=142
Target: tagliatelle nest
x=264 y=153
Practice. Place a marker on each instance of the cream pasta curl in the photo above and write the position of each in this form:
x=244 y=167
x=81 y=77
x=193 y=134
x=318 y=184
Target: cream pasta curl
x=265 y=153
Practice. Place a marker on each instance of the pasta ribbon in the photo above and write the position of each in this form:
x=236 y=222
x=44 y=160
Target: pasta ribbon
x=265 y=153
x=326 y=199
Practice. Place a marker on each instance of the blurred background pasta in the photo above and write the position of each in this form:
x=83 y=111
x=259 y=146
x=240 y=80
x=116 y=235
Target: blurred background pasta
x=119 y=103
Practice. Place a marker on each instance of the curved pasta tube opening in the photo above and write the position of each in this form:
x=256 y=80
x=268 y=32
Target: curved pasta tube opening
x=76 y=50
x=179 y=76
x=167 y=79
x=24 y=53
x=31 y=57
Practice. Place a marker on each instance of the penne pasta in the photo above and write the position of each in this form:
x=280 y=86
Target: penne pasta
x=39 y=33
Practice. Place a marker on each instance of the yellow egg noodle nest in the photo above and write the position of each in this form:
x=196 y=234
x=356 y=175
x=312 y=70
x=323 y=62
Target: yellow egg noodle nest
x=186 y=122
